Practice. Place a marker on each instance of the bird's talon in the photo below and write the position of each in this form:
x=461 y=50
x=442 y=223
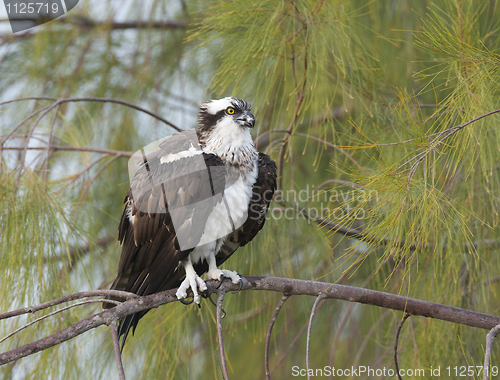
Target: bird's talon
x=221 y=279
x=184 y=302
x=240 y=287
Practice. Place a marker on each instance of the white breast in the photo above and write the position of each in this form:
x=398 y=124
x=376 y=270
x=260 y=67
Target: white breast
x=229 y=214
x=230 y=141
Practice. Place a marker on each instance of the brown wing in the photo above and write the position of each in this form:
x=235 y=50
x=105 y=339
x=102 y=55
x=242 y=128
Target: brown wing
x=262 y=194
x=169 y=203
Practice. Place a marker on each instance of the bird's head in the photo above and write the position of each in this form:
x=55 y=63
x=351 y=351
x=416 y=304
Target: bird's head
x=224 y=125
x=226 y=112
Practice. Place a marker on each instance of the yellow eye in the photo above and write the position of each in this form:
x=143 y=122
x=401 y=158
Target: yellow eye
x=230 y=110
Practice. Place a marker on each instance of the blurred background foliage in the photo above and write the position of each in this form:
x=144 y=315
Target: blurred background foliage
x=351 y=98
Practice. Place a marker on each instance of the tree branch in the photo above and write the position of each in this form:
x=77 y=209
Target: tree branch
x=220 y=298
x=270 y=330
x=121 y=153
x=28 y=138
x=300 y=99
x=400 y=326
x=87 y=24
x=282 y=285
x=93 y=99
x=91 y=181
x=309 y=328
x=116 y=345
x=51 y=314
x=489 y=342
x=263 y=140
x=74 y=251
x=45 y=169
x=351 y=232
x=433 y=144
x=71 y=297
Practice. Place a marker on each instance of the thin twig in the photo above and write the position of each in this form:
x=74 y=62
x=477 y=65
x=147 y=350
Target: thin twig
x=53 y=313
x=270 y=147
x=91 y=181
x=341 y=181
x=8 y=136
x=351 y=232
x=346 y=317
x=323 y=141
x=79 y=251
x=28 y=138
x=93 y=99
x=410 y=160
x=270 y=330
x=87 y=23
x=458 y=127
x=116 y=345
x=333 y=146
x=368 y=336
x=122 y=102
x=87 y=168
x=406 y=316
x=489 y=343
x=49 y=144
x=263 y=139
x=300 y=99
x=28 y=98
x=432 y=145
x=290 y=346
x=309 y=327
x=122 y=153
x=339 y=330
x=39 y=138
x=422 y=105
x=71 y=297
x=220 y=298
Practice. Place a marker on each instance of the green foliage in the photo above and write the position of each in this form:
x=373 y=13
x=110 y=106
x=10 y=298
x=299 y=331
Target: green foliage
x=369 y=91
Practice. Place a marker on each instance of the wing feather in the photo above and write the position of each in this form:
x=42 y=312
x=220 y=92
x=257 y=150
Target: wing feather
x=262 y=194
x=150 y=256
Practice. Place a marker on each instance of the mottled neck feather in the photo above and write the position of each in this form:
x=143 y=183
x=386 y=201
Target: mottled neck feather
x=230 y=142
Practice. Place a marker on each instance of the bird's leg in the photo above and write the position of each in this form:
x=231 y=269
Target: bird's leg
x=215 y=273
x=192 y=281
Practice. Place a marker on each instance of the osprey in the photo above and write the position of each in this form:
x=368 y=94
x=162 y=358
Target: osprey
x=191 y=204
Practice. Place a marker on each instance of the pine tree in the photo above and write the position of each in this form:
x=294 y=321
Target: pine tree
x=380 y=115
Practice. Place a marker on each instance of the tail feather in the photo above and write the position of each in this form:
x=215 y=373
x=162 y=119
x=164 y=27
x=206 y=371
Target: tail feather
x=130 y=322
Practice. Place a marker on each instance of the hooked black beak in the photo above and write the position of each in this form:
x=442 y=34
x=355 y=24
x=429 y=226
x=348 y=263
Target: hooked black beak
x=246 y=119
